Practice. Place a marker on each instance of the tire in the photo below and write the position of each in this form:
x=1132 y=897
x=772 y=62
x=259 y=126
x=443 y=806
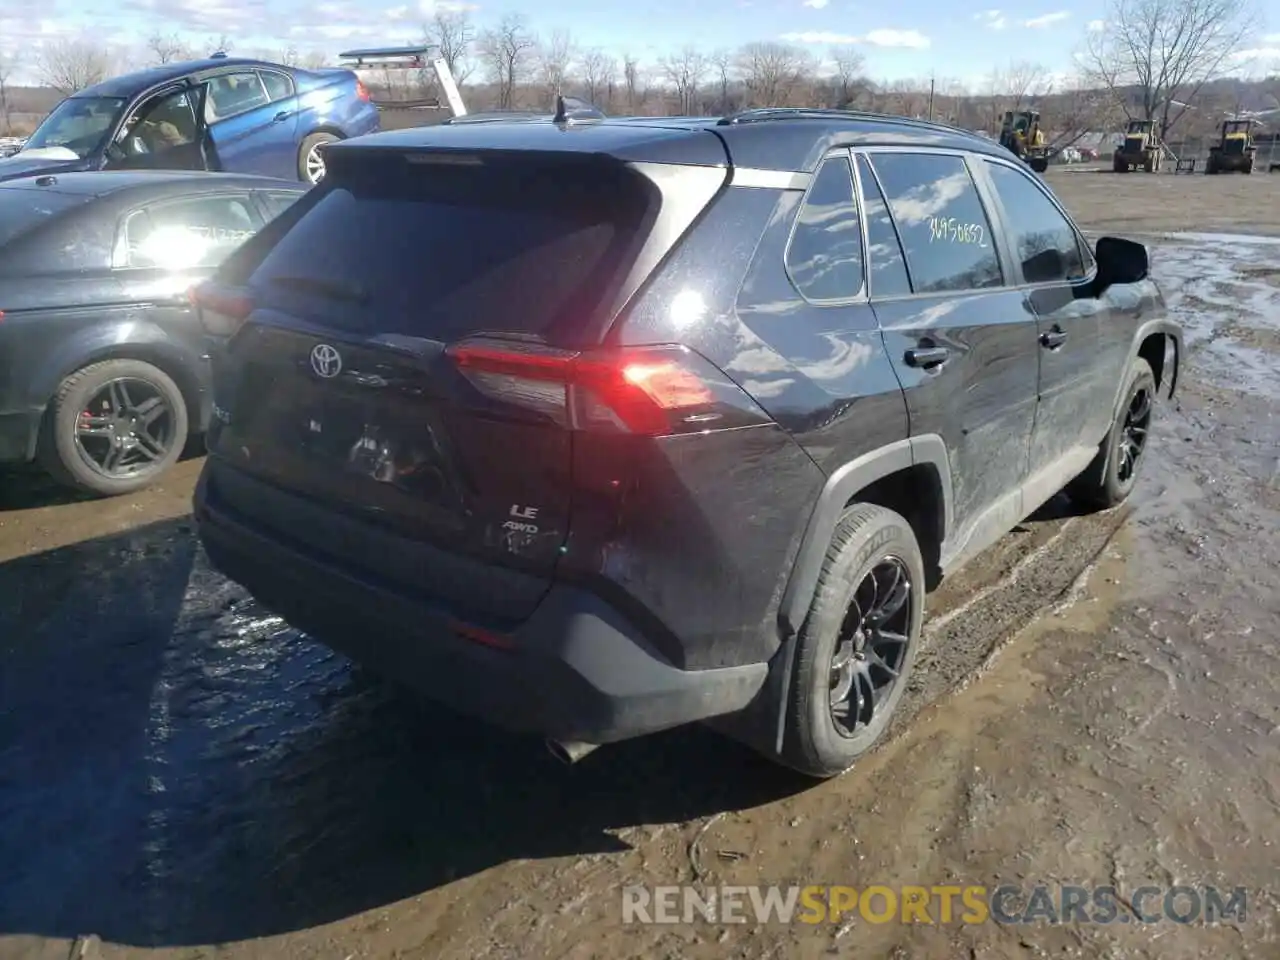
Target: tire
x=1119 y=166
x=867 y=538
x=1149 y=165
x=71 y=460
x=309 y=144
x=1106 y=482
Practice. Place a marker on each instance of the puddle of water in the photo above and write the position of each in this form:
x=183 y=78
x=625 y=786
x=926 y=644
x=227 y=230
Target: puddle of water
x=1215 y=285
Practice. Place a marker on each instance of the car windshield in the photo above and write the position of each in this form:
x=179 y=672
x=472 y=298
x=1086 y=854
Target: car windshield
x=80 y=124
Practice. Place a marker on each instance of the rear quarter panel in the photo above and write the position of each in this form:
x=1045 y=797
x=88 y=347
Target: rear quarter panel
x=328 y=101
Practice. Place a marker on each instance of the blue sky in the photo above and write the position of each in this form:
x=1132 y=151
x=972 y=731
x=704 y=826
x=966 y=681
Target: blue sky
x=904 y=39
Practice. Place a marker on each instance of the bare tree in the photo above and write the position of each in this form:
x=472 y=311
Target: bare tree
x=6 y=111
x=453 y=33
x=722 y=64
x=1012 y=87
x=631 y=79
x=1166 y=50
x=599 y=72
x=555 y=60
x=772 y=71
x=167 y=48
x=506 y=51
x=220 y=43
x=685 y=71
x=849 y=80
x=315 y=60
x=71 y=65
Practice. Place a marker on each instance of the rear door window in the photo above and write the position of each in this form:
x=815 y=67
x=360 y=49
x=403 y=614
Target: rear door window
x=446 y=251
x=824 y=257
x=277 y=85
x=234 y=94
x=184 y=234
x=944 y=229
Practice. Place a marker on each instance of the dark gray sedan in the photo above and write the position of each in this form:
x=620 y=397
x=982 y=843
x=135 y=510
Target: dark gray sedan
x=104 y=375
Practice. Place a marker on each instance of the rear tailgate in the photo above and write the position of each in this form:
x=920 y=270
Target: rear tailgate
x=339 y=388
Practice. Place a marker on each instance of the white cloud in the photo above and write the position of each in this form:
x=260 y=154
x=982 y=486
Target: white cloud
x=912 y=39
x=1096 y=26
x=1047 y=19
x=909 y=39
x=992 y=19
x=816 y=4
x=821 y=36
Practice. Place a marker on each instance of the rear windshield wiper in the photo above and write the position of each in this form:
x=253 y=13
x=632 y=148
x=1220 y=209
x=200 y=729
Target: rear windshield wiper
x=324 y=287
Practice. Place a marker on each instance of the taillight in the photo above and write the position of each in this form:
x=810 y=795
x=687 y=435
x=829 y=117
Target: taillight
x=222 y=310
x=652 y=391
x=362 y=91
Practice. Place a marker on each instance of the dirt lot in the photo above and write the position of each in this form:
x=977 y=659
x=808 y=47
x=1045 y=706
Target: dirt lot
x=183 y=776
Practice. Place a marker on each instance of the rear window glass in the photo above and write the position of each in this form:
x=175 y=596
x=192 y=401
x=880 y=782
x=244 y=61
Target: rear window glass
x=443 y=253
x=24 y=209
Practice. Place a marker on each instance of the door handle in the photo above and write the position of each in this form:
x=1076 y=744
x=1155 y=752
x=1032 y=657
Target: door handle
x=280 y=117
x=926 y=357
x=1053 y=339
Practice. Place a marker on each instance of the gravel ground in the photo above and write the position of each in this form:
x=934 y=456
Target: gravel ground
x=183 y=776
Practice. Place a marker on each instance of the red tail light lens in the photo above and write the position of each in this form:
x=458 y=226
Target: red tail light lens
x=652 y=391
x=362 y=91
x=222 y=310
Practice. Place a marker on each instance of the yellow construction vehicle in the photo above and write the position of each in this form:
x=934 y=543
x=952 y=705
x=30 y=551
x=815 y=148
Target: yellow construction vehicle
x=1020 y=133
x=1141 y=148
x=1234 y=150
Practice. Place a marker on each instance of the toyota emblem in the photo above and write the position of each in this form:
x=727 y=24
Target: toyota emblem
x=325 y=360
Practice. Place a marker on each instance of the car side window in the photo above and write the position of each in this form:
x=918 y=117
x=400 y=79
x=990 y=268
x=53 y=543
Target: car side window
x=185 y=234
x=1042 y=238
x=885 y=262
x=824 y=256
x=234 y=94
x=277 y=85
x=944 y=229
x=277 y=203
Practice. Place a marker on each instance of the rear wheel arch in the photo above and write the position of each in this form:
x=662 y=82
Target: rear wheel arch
x=911 y=477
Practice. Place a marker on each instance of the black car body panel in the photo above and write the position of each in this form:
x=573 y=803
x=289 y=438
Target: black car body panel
x=822 y=333
x=66 y=299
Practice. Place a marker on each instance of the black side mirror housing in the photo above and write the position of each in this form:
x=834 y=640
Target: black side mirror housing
x=1120 y=261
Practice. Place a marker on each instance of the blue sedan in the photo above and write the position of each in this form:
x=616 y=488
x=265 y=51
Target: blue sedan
x=223 y=114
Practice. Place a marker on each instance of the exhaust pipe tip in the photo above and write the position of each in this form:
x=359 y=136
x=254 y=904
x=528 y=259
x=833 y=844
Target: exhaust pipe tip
x=571 y=751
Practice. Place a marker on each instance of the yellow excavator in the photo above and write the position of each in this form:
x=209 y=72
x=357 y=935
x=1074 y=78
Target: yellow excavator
x=1234 y=150
x=1020 y=133
x=1141 y=148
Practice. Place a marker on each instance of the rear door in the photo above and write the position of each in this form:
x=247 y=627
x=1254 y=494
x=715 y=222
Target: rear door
x=339 y=387
x=252 y=117
x=1057 y=270
x=162 y=249
x=962 y=341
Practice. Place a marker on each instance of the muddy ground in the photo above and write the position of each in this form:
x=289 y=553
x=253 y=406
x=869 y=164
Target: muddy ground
x=183 y=776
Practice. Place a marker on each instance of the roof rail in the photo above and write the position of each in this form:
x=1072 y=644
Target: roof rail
x=757 y=114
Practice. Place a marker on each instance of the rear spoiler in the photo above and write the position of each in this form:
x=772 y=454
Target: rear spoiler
x=408 y=58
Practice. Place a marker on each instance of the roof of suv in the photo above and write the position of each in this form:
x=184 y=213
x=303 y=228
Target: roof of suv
x=773 y=139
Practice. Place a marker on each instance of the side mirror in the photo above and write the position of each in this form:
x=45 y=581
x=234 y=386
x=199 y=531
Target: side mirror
x=1120 y=261
x=113 y=154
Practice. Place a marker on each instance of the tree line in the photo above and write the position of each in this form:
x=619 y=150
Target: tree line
x=1163 y=60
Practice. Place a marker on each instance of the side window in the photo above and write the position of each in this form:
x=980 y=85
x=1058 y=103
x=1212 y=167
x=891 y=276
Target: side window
x=824 y=257
x=278 y=203
x=1043 y=240
x=185 y=234
x=885 y=263
x=161 y=124
x=944 y=230
x=278 y=86
x=233 y=94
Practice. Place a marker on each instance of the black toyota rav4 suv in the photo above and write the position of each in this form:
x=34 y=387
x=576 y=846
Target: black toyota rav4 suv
x=596 y=429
